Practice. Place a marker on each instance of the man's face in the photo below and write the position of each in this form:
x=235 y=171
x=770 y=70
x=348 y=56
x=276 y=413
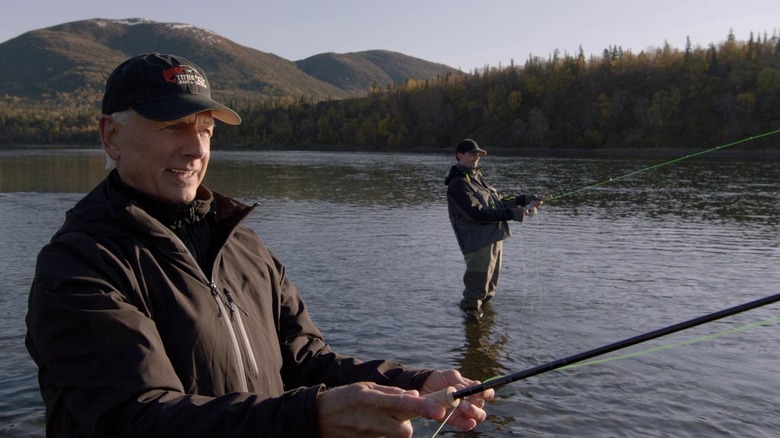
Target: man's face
x=468 y=159
x=167 y=160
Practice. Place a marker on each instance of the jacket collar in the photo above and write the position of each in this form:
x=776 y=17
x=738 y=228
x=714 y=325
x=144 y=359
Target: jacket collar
x=99 y=210
x=170 y=214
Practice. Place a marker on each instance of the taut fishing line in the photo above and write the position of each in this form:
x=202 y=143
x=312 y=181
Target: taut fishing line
x=709 y=337
x=533 y=273
x=656 y=166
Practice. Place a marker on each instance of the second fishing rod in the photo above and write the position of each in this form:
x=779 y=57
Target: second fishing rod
x=451 y=396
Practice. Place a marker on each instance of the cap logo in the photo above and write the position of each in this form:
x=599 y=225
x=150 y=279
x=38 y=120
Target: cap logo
x=162 y=88
x=184 y=75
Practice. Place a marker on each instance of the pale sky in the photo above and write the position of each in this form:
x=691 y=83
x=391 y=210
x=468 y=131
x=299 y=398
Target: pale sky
x=459 y=33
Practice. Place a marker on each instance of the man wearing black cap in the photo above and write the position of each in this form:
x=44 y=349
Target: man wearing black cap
x=479 y=218
x=154 y=312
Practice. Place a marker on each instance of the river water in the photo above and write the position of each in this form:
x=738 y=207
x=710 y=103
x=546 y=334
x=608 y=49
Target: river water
x=367 y=240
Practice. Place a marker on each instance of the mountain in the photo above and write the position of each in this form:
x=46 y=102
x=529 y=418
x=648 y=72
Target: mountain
x=77 y=57
x=352 y=71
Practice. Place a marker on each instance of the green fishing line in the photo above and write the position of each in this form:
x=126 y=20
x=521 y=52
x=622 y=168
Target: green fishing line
x=663 y=347
x=655 y=166
x=674 y=345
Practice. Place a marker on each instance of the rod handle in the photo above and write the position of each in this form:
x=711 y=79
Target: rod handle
x=444 y=397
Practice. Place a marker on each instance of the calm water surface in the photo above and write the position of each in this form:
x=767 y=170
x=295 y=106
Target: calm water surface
x=367 y=240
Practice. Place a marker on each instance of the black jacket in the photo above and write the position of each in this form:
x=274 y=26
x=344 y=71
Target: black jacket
x=132 y=338
x=477 y=211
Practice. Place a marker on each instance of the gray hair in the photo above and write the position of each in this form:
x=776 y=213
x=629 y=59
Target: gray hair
x=121 y=117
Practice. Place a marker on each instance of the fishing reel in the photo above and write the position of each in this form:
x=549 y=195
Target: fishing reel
x=527 y=201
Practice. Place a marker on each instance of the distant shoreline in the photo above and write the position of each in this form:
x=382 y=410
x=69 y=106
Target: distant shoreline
x=667 y=153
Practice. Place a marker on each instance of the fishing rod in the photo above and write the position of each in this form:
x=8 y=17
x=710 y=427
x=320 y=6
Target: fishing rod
x=500 y=381
x=655 y=166
x=451 y=397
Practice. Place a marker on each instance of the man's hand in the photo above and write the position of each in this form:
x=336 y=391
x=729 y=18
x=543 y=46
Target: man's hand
x=372 y=410
x=532 y=200
x=469 y=412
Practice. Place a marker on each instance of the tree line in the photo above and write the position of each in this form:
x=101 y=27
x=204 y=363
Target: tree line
x=660 y=98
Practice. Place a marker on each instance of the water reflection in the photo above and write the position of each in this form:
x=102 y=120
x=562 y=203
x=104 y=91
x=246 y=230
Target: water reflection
x=367 y=240
x=693 y=190
x=480 y=356
x=46 y=171
x=357 y=179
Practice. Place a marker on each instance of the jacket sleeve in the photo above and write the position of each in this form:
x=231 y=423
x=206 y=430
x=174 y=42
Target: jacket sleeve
x=104 y=370
x=476 y=205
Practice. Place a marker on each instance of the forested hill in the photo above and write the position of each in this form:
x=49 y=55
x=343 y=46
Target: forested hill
x=75 y=58
x=691 y=98
x=51 y=80
x=663 y=98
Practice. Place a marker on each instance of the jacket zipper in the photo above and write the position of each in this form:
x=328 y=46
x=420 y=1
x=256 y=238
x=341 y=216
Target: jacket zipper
x=242 y=330
x=223 y=305
x=225 y=302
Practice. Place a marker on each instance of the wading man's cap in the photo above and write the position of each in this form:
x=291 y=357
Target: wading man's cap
x=469 y=145
x=162 y=88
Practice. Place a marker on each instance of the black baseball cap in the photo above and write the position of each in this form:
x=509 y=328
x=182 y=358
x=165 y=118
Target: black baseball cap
x=469 y=145
x=162 y=87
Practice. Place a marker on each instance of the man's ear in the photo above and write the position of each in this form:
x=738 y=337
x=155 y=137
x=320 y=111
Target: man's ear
x=108 y=131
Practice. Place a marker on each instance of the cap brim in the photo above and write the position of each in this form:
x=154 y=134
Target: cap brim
x=481 y=152
x=176 y=107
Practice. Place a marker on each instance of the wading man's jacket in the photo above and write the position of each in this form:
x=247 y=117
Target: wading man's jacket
x=477 y=212
x=133 y=337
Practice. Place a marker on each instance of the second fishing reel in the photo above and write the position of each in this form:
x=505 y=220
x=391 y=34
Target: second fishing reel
x=527 y=201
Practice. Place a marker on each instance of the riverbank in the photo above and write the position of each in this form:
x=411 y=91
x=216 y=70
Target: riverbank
x=744 y=152
x=740 y=153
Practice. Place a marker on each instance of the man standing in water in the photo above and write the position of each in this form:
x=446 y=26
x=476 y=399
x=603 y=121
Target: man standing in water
x=479 y=218
x=154 y=312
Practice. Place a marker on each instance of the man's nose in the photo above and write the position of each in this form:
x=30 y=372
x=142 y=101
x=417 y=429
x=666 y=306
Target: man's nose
x=195 y=145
